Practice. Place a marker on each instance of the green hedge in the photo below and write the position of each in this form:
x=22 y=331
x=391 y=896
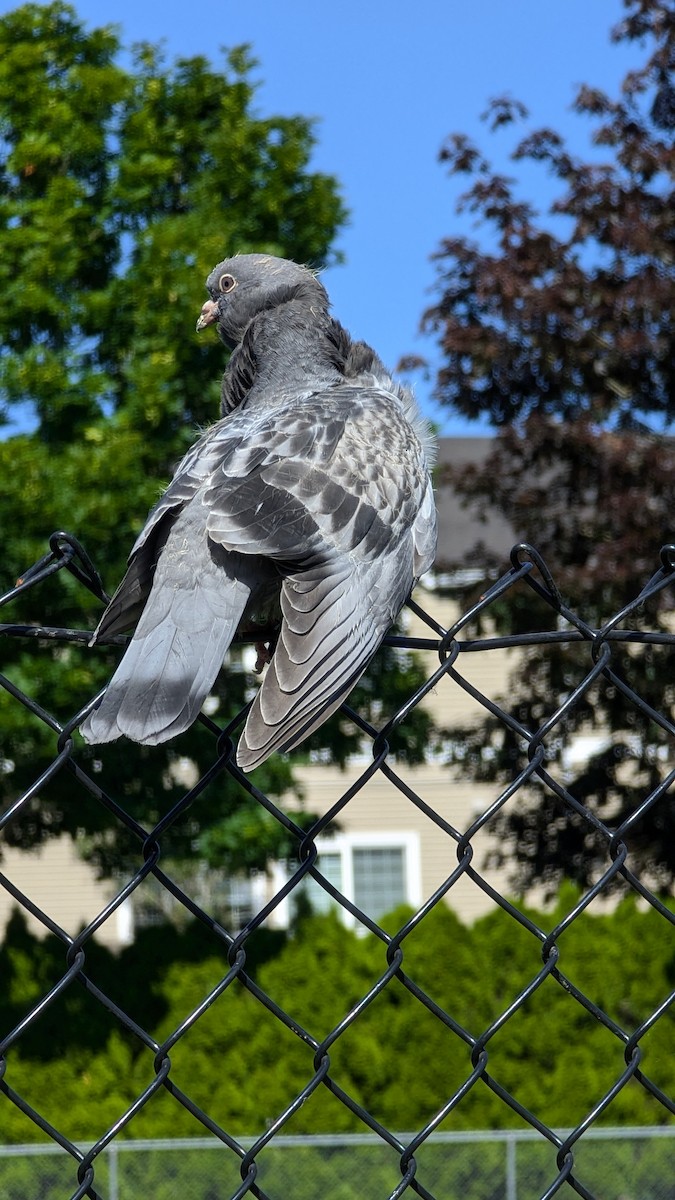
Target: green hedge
x=81 y=1070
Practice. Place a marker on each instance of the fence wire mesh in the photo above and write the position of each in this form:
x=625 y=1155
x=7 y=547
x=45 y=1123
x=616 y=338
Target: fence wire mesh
x=560 y=1167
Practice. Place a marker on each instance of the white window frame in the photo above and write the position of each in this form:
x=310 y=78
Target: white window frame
x=344 y=844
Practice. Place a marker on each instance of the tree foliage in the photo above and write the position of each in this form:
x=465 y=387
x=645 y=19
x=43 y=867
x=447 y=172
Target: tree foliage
x=562 y=334
x=120 y=186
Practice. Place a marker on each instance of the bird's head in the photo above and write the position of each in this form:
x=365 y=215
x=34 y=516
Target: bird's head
x=242 y=287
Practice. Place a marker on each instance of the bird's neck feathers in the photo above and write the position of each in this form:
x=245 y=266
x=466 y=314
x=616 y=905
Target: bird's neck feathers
x=282 y=348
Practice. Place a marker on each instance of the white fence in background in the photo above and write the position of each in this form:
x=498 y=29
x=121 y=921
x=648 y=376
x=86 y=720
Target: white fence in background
x=618 y=1163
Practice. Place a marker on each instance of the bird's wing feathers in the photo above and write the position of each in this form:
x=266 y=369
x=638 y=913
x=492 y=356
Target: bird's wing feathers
x=129 y=599
x=236 y=445
x=424 y=532
x=332 y=496
x=342 y=474
x=334 y=618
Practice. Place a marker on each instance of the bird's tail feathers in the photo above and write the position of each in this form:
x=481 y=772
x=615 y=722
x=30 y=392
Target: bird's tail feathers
x=172 y=660
x=128 y=601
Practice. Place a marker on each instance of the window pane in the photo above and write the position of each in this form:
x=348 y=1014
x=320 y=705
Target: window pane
x=330 y=866
x=379 y=879
x=238 y=891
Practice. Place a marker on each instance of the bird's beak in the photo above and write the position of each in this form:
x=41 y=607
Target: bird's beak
x=208 y=315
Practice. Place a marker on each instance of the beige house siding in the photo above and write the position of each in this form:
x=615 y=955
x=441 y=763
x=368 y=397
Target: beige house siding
x=57 y=881
x=488 y=670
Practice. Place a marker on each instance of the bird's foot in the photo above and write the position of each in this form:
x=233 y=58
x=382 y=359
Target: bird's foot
x=264 y=654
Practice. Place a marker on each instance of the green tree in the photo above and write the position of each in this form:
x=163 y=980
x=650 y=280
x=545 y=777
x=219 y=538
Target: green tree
x=562 y=334
x=119 y=189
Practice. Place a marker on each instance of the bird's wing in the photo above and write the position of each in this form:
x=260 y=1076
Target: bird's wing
x=342 y=470
x=337 y=494
x=425 y=533
x=129 y=599
x=334 y=618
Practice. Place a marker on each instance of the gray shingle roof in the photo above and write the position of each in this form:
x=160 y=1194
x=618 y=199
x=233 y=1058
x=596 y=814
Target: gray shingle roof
x=459 y=529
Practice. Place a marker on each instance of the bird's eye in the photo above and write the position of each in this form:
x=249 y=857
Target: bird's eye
x=226 y=283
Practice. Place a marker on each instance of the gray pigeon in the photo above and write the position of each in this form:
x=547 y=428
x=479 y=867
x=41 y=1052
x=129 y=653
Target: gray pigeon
x=310 y=497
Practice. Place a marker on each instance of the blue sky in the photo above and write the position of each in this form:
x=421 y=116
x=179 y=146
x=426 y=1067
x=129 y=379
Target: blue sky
x=387 y=83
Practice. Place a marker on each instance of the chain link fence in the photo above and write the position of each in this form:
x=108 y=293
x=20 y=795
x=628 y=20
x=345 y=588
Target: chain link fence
x=419 y=1163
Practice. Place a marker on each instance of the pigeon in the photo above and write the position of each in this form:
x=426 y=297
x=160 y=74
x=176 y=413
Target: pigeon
x=309 y=503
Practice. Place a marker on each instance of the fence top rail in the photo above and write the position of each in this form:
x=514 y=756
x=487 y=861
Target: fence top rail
x=335 y=1140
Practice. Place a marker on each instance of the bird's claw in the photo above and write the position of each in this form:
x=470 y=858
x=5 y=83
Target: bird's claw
x=264 y=657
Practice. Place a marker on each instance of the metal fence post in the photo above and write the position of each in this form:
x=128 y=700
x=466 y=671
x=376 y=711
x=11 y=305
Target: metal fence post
x=511 y=1173
x=113 y=1177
